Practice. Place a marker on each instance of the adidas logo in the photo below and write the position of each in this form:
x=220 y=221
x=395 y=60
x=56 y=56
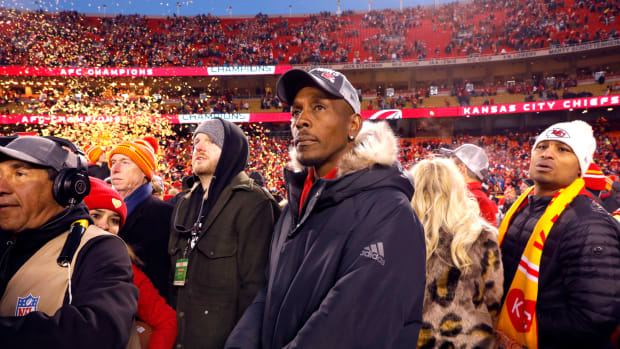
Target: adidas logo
x=374 y=251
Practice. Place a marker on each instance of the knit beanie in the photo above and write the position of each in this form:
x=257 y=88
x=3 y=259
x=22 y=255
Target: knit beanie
x=103 y=196
x=577 y=135
x=93 y=153
x=212 y=128
x=594 y=178
x=141 y=155
x=149 y=142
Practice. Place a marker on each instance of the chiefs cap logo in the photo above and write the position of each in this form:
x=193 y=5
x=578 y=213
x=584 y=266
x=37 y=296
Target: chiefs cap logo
x=558 y=133
x=328 y=76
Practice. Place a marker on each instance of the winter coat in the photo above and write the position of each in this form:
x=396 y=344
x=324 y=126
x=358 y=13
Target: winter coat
x=155 y=312
x=104 y=298
x=146 y=231
x=461 y=309
x=226 y=268
x=578 y=303
x=347 y=271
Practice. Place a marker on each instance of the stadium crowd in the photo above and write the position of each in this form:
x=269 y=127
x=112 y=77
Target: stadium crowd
x=291 y=234
x=451 y=30
x=269 y=151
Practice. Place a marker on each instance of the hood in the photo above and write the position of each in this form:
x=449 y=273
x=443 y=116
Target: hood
x=376 y=144
x=372 y=163
x=233 y=159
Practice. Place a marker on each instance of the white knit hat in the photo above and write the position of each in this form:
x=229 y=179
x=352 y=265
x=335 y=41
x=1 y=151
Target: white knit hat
x=577 y=135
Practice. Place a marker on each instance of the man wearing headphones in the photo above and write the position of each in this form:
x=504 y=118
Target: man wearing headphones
x=64 y=282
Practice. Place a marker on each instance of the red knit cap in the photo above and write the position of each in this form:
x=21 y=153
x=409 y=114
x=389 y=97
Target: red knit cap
x=594 y=178
x=141 y=155
x=103 y=196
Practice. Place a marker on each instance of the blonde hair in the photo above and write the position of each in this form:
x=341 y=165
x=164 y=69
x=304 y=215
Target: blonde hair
x=446 y=209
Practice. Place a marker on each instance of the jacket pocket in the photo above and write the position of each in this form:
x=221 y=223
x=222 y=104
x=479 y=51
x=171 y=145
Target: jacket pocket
x=216 y=263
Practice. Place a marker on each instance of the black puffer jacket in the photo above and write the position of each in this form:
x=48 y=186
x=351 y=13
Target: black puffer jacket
x=578 y=302
x=348 y=270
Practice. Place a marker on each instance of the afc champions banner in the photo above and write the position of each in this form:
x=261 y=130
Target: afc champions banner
x=386 y=114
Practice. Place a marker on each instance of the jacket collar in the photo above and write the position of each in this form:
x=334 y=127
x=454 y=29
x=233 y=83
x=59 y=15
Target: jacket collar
x=376 y=144
x=239 y=182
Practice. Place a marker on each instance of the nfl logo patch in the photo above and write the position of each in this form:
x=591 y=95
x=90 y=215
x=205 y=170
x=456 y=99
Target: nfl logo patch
x=26 y=305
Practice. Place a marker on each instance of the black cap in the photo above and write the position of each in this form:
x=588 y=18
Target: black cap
x=330 y=81
x=39 y=151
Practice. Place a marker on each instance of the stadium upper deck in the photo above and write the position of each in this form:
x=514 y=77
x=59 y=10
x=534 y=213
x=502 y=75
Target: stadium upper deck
x=457 y=29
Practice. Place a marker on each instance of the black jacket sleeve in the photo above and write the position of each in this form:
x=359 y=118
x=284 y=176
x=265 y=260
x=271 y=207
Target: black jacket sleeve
x=254 y=238
x=590 y=304
x=247 y=332
x=102 y=310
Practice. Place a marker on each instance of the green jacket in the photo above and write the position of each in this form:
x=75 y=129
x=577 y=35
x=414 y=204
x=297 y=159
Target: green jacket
x=226 y=268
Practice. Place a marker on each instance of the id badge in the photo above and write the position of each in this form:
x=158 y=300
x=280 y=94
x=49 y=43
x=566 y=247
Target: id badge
x=180 y=271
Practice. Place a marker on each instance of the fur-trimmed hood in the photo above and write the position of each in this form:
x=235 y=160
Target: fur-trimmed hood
x=370 y=165
x=376 y=144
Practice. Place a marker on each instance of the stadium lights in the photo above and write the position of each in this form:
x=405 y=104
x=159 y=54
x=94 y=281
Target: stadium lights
x=585 y=111
x=610 y=109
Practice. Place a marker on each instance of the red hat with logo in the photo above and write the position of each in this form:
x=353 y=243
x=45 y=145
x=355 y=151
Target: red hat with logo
x=103 y=196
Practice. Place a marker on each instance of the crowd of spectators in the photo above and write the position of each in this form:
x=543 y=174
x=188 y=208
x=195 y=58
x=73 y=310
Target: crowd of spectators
x=269 y=147
x=508 y=155
x=38 y=38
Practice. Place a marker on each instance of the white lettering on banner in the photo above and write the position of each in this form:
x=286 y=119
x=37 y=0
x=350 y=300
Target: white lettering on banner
x=242 y=70
x=581 y=103
x=197 y=118
x=106 y=72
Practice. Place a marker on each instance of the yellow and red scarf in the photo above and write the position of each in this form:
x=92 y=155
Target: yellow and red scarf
x=517 y=326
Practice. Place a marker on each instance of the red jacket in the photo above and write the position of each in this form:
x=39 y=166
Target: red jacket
x=488 y=209
x=155 y=312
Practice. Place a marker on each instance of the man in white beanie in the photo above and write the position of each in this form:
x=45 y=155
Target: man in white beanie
x=560 y=251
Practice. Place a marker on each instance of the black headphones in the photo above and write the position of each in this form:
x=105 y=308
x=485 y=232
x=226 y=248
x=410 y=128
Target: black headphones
x=71 y=185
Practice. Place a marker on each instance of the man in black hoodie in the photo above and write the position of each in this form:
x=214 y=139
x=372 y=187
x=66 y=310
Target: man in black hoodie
x=347 y=260
x=219 y=238
x=87 y=301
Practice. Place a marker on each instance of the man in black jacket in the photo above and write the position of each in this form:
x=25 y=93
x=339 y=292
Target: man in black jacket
x=347 y=260
x=577 y=303
x=220 y=234
x=132 y=165
x=40 y=215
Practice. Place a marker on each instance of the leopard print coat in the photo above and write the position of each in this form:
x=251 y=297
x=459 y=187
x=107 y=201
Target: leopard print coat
x=461 y=309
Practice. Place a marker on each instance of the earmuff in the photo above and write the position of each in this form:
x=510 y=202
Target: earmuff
x=71 y=185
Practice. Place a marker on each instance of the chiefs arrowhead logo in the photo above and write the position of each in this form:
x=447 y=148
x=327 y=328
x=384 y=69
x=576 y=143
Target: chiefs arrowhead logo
x=117 y=203
x=328 y=76
x=520 y=311
x=558 y=133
